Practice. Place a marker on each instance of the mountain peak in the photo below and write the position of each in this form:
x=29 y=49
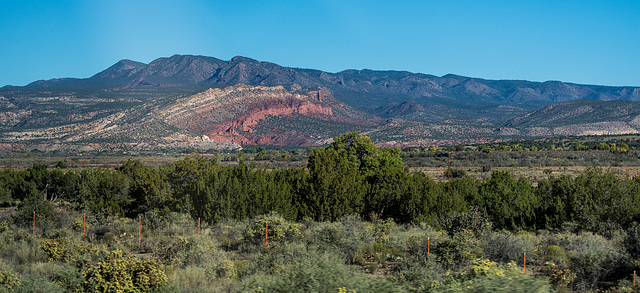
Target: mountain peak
x=122 y=69
x=239 y=59
x=127 y=64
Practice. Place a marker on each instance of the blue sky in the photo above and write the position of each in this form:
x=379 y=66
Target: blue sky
x=591 y=42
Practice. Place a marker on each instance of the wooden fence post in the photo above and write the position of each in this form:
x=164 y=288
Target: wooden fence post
x=198 y=227
x=266 y=235
x=524 y=267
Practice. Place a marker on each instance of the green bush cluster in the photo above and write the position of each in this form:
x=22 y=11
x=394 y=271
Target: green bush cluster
x=277 y=227
x=8 y=281
x=353 y=220
x=119 y=272
x=380 y=256
x=301 y=268
x=350 y=176
x=64 y=250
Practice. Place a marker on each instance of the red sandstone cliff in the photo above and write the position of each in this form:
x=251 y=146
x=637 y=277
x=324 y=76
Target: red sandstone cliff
x=232 y=114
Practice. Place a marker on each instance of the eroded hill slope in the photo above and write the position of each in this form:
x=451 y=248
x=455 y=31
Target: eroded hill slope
x=219 y=118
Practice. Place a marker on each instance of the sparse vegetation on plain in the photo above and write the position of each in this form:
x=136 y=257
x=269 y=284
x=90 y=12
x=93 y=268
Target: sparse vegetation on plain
x=354 y=220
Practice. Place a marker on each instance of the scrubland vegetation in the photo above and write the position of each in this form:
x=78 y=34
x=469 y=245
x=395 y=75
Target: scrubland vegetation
x=354 y=220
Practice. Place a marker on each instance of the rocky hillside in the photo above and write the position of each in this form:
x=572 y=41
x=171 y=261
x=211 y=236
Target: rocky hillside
x=215 y=118
x=583 y=117
x=197 y=101
x=249 y=115
x=457 y=96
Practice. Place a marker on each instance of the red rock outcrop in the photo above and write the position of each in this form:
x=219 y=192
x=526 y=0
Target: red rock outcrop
x=232 y=130
x=259 y=111
x=230 y=114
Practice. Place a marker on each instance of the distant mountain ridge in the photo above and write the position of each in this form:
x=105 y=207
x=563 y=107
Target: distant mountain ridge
x=254 y=102
x=202 y=71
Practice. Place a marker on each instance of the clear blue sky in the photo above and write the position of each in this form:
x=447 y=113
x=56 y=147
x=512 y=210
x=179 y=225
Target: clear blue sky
x=592 y=42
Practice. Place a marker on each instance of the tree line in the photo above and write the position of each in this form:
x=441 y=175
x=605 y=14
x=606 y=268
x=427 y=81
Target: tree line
x=350 y=176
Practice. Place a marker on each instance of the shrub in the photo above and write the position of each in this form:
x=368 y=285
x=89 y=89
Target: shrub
x=70 y=277
x=595 y=259
x=380 y=252
x=38 y=284
x=189 y=252
x=8 y=282
x=325 y=235
x=557 y=255
x=66 y=275
x=279 y=229
x=22 y=249
x=458 y=251
x=62 y=165
x=43 y=209
x=229 y=233
x=473 y=220
x=312 y=271
x=412 y=238
x=356 y=236
x=155 y=221
x=174 y=252
x=382 y=229
x=64 y=250
x=64 y=218
x=177 y=224
x=488 y=276
x=427 y=236
x=632 y=241
x=419 y=272
x=195 y=279
x=559 y=276
x=503 y=246
x=120 y=272
x=278 y=258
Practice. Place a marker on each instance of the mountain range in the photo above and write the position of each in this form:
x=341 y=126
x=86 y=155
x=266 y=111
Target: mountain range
x=187 y=100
